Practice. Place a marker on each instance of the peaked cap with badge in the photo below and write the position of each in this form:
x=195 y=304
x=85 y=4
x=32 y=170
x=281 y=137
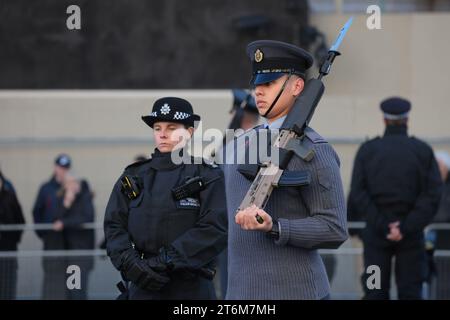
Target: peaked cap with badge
x=271 y=59
x=172 y=109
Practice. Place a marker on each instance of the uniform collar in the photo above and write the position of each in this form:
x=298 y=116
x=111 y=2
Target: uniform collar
x=162 y=160
x=274 y=125
x=396 y=130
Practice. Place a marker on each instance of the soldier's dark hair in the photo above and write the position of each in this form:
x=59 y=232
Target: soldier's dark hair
x=398 y=122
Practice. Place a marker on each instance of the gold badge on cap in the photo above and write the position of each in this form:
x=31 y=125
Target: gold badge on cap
x=258 y=55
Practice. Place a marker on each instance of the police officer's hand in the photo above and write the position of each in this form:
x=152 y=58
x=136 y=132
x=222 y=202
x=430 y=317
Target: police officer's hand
x=162 y=262
x=247 y=219
x=148 y=279
x=157 y=264
x=141 y=274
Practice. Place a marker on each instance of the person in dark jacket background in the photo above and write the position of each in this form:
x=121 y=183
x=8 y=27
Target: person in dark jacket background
x=443 y=213
x=440 y=239
x=244 y=111
x=45 y=211
x=65 y=205
x=396 y=189
x=74 y=208
x=10 y=213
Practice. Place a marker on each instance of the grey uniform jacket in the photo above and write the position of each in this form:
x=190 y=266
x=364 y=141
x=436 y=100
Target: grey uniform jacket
x=310 y=217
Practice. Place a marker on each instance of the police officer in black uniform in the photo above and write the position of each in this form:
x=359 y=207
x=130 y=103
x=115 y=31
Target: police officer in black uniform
x=165 y=222
x=396 y=189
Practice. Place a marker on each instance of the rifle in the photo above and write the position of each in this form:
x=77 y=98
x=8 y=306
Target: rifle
x=290 y=137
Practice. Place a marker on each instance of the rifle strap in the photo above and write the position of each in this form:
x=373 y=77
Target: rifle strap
x=278 y=96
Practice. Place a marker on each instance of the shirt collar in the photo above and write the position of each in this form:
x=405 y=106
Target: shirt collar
x=275 y=125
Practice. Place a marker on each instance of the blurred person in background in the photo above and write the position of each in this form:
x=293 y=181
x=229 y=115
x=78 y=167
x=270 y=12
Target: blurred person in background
x=245 y=115
x=54 y=206
x=440 y=239
x=396 y=187
x=10 y=213
x=74 y=208
x=443 y=214
x=45 y=211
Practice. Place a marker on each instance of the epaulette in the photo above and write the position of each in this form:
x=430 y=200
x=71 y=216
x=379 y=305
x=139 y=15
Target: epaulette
x=314 y=136
x=136 y=165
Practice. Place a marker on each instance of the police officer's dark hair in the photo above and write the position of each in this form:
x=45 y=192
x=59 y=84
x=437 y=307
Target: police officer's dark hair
x=186 y=126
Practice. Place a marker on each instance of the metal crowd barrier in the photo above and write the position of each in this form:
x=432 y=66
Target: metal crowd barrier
x=48 y=226
x=43 y=226
x=39 y=274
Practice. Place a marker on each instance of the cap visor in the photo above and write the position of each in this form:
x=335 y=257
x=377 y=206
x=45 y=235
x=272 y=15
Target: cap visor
x=262 y=78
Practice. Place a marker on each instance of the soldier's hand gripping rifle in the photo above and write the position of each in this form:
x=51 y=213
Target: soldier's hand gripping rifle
x=291 y=135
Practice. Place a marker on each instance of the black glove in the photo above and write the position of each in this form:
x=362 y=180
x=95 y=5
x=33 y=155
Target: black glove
x=169 y=260
x=163 y=262
x=140 y=273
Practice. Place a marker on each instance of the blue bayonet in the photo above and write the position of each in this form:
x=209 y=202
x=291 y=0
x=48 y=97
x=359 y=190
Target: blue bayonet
x=341 y=35
x=333 y=52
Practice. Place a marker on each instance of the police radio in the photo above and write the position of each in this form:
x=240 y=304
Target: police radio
x=190 y=187
x=131 y=187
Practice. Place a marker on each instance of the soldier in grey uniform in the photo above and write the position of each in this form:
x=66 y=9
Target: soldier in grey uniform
x=278 y=259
